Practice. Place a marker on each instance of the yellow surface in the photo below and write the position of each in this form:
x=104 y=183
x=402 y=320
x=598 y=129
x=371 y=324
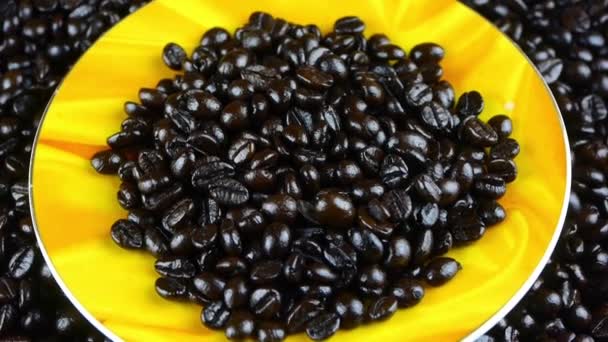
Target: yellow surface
x=74 y=207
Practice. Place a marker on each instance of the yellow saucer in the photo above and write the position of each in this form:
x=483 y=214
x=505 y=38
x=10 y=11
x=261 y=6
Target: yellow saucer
x=74 y=207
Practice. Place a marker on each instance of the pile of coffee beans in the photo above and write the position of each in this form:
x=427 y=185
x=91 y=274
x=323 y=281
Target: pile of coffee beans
x=567 y=40
x=292 y=181
x=39 y=40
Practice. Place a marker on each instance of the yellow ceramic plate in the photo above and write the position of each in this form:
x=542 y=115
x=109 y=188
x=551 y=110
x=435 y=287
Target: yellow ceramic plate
x=74 y=207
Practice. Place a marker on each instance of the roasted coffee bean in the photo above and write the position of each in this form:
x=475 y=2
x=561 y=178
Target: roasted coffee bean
x=323 y=326
x=266 y=272
x=171 y=288
x=227 y=266
x=334 y=209
x=382 y=308
x=440 y=270
x=228 y=192
x=265 y=302
x=8 y=290
x=491 y=213
x=321 y=273
x=270 y=332
x=106 y=162
x=490 y=186
x=372 y=280
x=478 y=133
x=502 y=125
x=281 y=207
x=505 y=169
x=470 y=104
x=215 y=315
x=240 y=325
x=408 y=292
x=394 y=171
x=236 y=292
x=424 y=246
x=163 y=199
x=399 y=253
x=21 y=263
x=276 y=240
x=230 y=238
x=427 y=53
x=178 y=215
x=209 y=285
x=350 y=309
x=367 y=189
x=174 y=56
x=302 y=313
x=399 y=205
x=467 y=229
x=506 y=149
x=127 y=234
x=175 y=267
x=368 y=246
x=365 y=220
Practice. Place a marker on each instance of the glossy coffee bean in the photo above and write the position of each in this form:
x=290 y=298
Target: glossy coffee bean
x=350 y=309
x=323 y=326
x=276 y=240
x=209 y=285
x=215 y=315
x=240 y=325
x=372 y=280
x=408 y=292
x=265 y=302
x=440 y=270
x=270 y=332
x=174 y=56
x=502 y=125
x=382 y=308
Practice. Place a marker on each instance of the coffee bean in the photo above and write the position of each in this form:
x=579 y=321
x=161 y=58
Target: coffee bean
x=171 y=288
x=281 y=208
x=394 y=171
x=372 y=280
x=350 y=310
x=270 y=332
x=215 y=315
x=440 y=270
x=106 y=162
x=427 y=53
x=265 y=302
x=175 y=267
x=491 y=213
x=229 y=192
x=301 y=314
x=502 y=125
x=276 y=240
x=240 y=325
x=230 y=238
x=127 y=234
x=398 y=203
x=490 y=186
x=236 y=292
x=408 y=292
x=507 y=149
x=323 y=326
x=382 y=308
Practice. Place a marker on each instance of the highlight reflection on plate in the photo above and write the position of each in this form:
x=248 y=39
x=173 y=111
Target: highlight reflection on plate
x=74 y=207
